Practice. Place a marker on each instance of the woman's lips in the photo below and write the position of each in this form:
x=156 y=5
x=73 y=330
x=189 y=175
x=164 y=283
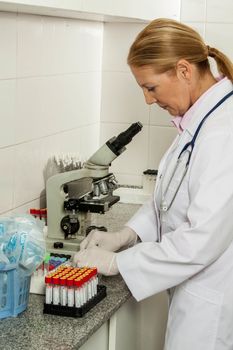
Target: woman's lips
x=164 y=107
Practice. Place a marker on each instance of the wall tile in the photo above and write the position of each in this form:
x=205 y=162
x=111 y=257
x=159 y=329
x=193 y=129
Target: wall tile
x=219 y=11
x=220 y=35
x=28 y=171
x=91 y=46
x=47 y=105
x=50 y=45
x=89 y=140
x=160 y=139
x=117 y=41
x=8 y=42
x=159 y=116
x=31 y=53
x=83 y=141
x=193 y=10
x=7 y=161
x=56 y=98
x=7 y=112
x=122 y=99
x=198 y=26
x=25 y=208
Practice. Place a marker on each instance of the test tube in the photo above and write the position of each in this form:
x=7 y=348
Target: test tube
x=63 y=291
x=77 y=292
x=70 y=291
x=48 y=290
x=56 y=290
x=89 y=285
x=93 y=282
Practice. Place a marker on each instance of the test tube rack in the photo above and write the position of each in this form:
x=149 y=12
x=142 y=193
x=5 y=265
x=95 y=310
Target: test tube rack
x=76 y=311
x=72 y=291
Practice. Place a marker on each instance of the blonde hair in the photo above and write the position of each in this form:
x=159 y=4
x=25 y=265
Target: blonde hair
x=163 y=42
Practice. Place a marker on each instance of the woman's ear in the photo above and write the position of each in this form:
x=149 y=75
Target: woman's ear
x=184 y=70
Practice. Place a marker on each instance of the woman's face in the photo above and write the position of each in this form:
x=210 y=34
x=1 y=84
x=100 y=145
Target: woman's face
x=169 y=90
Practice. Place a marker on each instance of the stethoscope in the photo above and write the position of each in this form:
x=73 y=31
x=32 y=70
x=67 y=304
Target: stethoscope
x=186 y=152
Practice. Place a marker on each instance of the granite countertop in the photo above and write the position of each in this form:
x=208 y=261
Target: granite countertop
x=37 y=331
x=33 y=330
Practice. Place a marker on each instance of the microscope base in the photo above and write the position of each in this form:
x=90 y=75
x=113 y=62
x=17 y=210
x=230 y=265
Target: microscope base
x=64 y=246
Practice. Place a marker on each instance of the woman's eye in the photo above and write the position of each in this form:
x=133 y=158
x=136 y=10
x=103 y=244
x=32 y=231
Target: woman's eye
x=151 y=89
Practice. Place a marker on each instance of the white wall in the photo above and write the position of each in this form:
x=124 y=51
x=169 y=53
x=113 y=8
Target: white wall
x=50 y=94
x=50 y=80
x=123 y=103
x=122 y=99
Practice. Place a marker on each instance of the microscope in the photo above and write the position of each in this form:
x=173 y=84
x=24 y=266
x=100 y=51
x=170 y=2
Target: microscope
x=73 y=195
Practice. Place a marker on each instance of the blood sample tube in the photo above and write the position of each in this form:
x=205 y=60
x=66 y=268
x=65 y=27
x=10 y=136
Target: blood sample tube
x=48 y=290
x=70 y=291
x=56 y=290
x=77 y=292
x=63 y=291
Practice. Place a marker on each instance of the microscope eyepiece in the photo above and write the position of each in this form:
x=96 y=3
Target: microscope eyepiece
x=124 y=138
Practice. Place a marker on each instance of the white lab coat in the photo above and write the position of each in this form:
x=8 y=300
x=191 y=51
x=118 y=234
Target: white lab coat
x=195 y=257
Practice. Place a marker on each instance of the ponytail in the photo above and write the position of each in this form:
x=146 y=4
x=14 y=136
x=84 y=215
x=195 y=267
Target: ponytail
x=224 y=64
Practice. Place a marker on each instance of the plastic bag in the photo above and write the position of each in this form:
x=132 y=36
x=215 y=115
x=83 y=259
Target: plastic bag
x=33 y=249
x=21 y=242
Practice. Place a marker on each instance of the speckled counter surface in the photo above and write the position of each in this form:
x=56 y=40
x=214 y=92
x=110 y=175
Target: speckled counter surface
x=33 y=330
x=37 y=331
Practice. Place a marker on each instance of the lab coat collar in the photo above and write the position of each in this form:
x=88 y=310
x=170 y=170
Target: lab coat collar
x=205 y=103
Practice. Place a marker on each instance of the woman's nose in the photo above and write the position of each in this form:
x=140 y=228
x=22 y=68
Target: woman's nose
x=149 y=98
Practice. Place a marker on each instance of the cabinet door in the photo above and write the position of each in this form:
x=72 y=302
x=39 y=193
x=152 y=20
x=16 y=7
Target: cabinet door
x=99 y=340
x=123 y=327
x=153 y=321
x=139 y=325
x=145 y=10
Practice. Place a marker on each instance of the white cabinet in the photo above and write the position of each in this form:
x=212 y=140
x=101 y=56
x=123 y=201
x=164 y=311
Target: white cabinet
x=152 y=322
x=135 y=326
x=99 y=340
x=145 y=10
x=123 y=327
x=139 y=326
x=126 y=10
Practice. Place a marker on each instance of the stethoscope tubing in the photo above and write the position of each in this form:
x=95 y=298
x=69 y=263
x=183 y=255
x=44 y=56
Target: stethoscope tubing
x=192 y=142
x=164 y=207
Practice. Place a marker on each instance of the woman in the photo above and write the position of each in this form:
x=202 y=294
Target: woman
x=185 y=232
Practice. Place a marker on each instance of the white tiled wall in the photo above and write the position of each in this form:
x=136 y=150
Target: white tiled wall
x=52 y=71
x=50 y=86
x=123 y=103
x=122 y=100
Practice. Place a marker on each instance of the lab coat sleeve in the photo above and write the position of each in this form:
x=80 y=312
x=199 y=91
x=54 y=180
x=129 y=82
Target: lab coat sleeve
x=145 y=222
x=151 y=267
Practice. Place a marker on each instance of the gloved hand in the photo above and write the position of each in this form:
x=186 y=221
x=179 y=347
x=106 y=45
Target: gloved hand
x=104 y=260
x=111 y=241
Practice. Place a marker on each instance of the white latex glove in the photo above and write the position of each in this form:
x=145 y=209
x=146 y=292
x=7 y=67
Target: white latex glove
x=111 y=241
x=104 y=260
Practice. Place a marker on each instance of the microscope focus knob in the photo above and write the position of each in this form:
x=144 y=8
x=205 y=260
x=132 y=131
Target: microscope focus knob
x=69 y=225
x=71 y=204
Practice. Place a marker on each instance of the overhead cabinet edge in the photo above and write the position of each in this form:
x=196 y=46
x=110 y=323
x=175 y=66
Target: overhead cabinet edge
x=101 y=10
